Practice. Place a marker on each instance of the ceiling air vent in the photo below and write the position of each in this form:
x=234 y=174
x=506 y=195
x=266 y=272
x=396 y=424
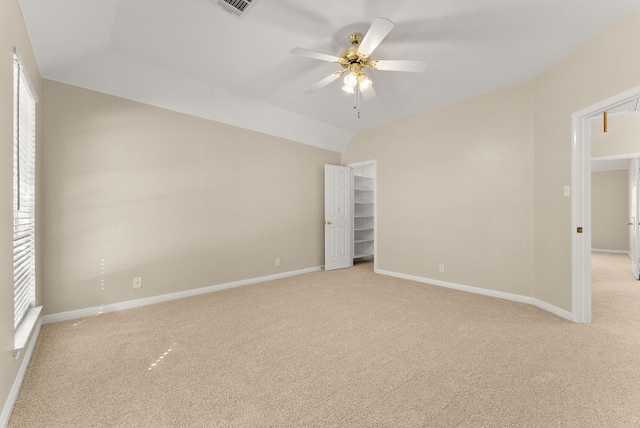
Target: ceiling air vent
x=238 y=8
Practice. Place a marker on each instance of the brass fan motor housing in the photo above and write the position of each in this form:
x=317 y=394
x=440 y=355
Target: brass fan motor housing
x=350 y=58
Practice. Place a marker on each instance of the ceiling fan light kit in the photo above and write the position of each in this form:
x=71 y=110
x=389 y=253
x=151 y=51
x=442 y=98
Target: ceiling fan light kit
x=353 y=79
x=363 y=82
x=357 y=57
x=349 y=89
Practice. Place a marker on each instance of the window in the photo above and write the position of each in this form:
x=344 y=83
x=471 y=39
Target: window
x=24 y=144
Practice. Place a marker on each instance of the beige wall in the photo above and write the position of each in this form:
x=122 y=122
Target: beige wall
x=604 y=67
x=622 y=137
x=459 y=185
x=610 y=210
x=455 y=187
x=133 y=190
x=12 y=34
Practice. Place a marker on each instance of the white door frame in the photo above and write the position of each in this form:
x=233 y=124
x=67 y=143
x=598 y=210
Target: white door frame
x=633 y=217
x=581 y=202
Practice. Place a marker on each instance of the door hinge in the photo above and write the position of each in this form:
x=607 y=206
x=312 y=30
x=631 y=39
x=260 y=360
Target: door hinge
x=579 y=230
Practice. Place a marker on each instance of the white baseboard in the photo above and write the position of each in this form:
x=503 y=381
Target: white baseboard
x=460 y=287
x=553 y=309
x=17 y=383
x=600 y=250
x=87 y=312
x=483 y=291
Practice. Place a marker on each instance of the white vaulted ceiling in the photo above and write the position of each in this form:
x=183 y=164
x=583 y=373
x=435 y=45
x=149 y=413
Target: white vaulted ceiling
x=193 y=57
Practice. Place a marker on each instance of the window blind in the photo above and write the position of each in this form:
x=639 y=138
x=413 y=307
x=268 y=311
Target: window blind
x=24 y=133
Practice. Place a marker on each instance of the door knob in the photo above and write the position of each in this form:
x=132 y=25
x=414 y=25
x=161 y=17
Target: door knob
x=328 y=222
x=629 y=223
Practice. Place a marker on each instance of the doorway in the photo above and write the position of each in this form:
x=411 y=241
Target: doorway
x=350 y=214
x=610 y=203
x=581 y=198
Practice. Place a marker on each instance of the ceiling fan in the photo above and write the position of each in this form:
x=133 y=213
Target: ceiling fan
x=357 y=58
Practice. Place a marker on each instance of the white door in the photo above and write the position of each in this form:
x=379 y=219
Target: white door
x=337 y=217
x=634 y=210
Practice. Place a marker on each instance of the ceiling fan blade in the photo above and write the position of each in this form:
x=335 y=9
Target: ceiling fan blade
x=369 y=94
x=399 y=65
x=377 y=32
x=315 y=55
x=324 y=82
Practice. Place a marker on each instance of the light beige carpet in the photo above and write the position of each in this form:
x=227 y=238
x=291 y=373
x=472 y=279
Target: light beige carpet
x=343 y=349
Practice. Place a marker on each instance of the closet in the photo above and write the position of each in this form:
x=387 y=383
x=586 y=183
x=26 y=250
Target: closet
x=363 y=220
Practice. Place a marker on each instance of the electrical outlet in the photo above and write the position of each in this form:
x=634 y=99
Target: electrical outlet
x=277 y=262
x=137 y=282
x=441 y=268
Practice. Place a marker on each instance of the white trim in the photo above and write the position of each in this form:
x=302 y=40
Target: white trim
x=26 y=326
x=581 y=202
x=616 y=157
x=553 y=309
x=96 y=310
x=26 y=75
x=459 y=287
x=598 y=250
x=482 y=291
x=580 y=181
x=17 y=383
